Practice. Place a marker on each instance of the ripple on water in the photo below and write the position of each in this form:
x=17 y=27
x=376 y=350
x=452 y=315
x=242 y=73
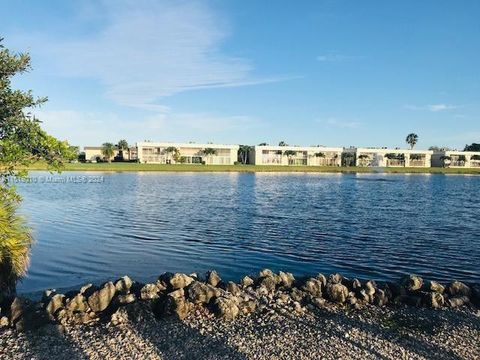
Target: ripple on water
x=370 y=226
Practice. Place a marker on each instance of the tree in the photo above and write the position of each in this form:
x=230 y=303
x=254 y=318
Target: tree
x=263 y=144
x=472 y=147
x=319 y=154
x=412 y=140
x=475 y=157
x=22 y=142
x=282 y=143
x=208 y=152
x=438 y=148
x=446 y=160
x=122 y=146
x=243 y=153
x=108 y=150
x=172 y=150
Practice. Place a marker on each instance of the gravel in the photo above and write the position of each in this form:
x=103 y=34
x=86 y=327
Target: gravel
x=273 y=333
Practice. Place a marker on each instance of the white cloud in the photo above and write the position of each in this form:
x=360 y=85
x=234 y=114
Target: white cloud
x=336 y=57
x=94 y=128
x=431 y=107
x=149 y=50
x=339 y=123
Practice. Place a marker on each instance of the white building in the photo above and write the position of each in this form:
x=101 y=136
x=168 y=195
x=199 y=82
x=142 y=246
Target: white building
x=456 y=159
x=186 y=153
x=384 y=157
x=295 y=155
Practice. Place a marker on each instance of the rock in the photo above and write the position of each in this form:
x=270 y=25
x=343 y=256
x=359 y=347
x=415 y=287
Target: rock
x=4 y=321
x=335 y=279
x=233 y=288
x=435 y=300
x=81 y=318
x=247 y=281
x=119 y=317
x=101 y=298
x=412 y=282
x=85 y=288
x=164 y=279
x=226 y=308
x=297 y=294
x=319 y=302
x=172 y=304
x=248 y=306
x=370 y=287
x=297 y=307
x=364 y=297
x=458 y=288
x=123 y=285
x=180 y=281
x=213 y=278
x=201 y=293
x=125 y=299
x=286 y=279
x=458 y=301
x=56 y=302
x=313 y=287
x=356 y=285
x=380 y=298
x=268 y=283
x=47 y=295
x=17 y=308
x=475 y=294
x=337 y=292
x=149 y=292
x=435 y=287
x=266 y=273
x=77 y=304
x=322 y=279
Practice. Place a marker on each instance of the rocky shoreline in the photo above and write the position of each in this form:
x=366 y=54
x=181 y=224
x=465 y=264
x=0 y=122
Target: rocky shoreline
x=209 y=307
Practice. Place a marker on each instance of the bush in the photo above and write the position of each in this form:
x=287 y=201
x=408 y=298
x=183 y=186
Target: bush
x=15 y=242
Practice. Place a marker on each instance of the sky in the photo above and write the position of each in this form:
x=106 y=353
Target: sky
x=319 y=72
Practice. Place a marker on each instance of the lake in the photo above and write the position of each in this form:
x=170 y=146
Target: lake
x=377 y=226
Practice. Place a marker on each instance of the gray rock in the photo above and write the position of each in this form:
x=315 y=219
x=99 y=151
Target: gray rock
x=18 y=307
x=248 y=306
x=435 y=287
x=56 y=302
x=319 y=302
x=180 y=281
x=435 y=300
x=266 y=273
x=356 y=285
x=226 y=308
x=412 y=282
x=458 y=301
x=123 y=285
x=149 y=292
x=335 y=279
x=297 y=294
x=125 y=299
x=458 y=288
x=200 y=293
x=172 y=305
x=101 y=298
x=4 y=321
x=286 y=279
x=213 y=278
x=313 y=287
x=322 y=279
x=77 y=303
x=380 y=298
x=85 y=288
x=247 y=281
x=337 y=293
x=233 y=288
x=268 y=283
x=370 y=288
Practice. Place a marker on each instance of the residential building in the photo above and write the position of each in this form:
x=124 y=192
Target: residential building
x=94 y=153
x=295 y=155
x=186 y=153
x=384 y=157
x=456 y=159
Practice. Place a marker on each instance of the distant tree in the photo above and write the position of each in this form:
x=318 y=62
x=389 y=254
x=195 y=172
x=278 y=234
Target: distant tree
x=122 y=145
x=364 y=156
x=472 y=147
x=475 y=157
x=289 y=153
x=243 y=153
x=282 y=143
x=319 y=154
x=172 y=152
x=108 y=150
x=412 y=140
x=209 y=152
x=446 y=160
x=438 y=148
x=263 y=144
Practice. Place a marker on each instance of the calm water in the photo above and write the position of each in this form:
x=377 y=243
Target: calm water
x=370 y=225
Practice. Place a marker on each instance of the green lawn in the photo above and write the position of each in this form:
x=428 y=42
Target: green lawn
x=246 y=168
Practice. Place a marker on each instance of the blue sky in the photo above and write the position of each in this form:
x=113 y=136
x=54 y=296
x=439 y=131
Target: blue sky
x=337 y=73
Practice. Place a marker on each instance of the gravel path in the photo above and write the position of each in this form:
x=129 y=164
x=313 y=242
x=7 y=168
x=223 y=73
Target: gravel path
x=369 y=333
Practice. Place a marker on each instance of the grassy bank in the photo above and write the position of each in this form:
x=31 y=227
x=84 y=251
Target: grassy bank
x=247 y=168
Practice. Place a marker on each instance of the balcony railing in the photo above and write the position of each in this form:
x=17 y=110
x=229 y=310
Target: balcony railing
x=419 y=163
x=395 y=162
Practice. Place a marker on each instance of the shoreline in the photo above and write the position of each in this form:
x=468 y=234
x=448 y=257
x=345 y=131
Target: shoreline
x=271 y=315
x=135 y=167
